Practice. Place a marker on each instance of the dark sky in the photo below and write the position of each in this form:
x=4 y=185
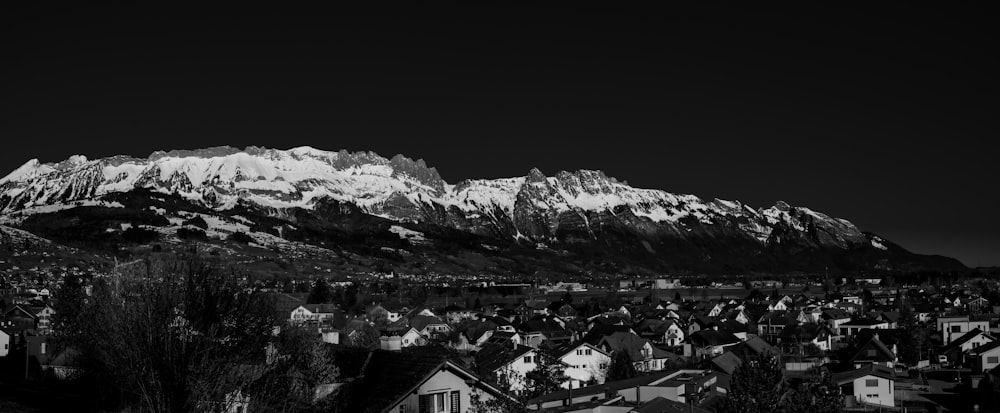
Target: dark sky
x=881 y=116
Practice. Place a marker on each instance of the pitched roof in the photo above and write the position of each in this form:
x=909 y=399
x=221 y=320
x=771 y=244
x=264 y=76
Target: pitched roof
x=713 y=338
x=727 y=362
x=834 y=314
x=963 y=339
x=420 y=321
x=494 y=356
x=389 y=376
x=758 y=346
x=883 y=352
x=565 y=349
x=868 y=370
x=630 y=343
x=607 y=387
x=986 y=347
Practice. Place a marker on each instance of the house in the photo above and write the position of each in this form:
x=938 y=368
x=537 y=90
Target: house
x=708 y=343
x=873 y=352
x=644 y=356
x=667 y=332
x=18 y=318
x=986 y=357
x=770 y=325
x=43 y=315
x=869 y=385
x=313 y=312
x=5 y=343
x=808 y=333
x=727 y=362
x=753 y=349
x=852 y=327
x=429 y=326
x=585 y=363
x=412 y=338
x=392 y=382
x=952 y=328
x=506 y=364
x=455 y=314
x=679 y=386
x=396 y=339
x=957 y=349
x=735 y=314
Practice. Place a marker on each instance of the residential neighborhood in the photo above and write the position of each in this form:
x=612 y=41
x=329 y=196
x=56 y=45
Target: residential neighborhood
x=892 y=348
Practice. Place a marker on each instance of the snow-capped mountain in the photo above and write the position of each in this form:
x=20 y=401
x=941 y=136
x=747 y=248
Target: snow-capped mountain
x=571 y=208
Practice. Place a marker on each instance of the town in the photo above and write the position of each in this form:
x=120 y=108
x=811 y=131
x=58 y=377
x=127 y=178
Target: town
x=399 y=343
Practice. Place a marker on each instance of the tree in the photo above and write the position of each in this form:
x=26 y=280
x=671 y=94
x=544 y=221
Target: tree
x=567 y=298
x=621 y=367
x=68 y=302
x=548 y=376
x=759 y=387
x=915 y=338
x=507 y=404
x=815 y=394
x=754 y=387
x=170 y=335
x=320 y=292
x=301 y=365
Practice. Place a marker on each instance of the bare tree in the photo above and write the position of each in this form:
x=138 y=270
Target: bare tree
x=176 y=335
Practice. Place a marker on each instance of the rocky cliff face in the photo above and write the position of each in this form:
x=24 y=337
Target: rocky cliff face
x=583 y=208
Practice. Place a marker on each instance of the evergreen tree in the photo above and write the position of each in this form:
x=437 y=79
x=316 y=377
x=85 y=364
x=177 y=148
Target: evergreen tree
x=548 y=376
x=621 y=367
x=320 y=292
x=816 y=394
x=754 y=387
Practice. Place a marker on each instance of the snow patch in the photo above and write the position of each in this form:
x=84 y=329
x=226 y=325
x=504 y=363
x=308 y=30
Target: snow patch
x=413 y=237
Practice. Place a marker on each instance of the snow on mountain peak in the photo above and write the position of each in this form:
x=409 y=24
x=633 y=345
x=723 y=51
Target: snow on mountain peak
x=398 y=188
x=29 y=170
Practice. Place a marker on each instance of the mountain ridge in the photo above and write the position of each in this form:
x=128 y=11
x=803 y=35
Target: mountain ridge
x=584 y=208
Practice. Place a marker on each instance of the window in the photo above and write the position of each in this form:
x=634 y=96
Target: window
x=456 y=402
x=587 y=352
x=604 y=365
x=871 y=383
x=433 y=403
x=993 y=359
x=402 y=408
x=579 y=352
x=956 y=329
x=527 y=359
x=870 y=352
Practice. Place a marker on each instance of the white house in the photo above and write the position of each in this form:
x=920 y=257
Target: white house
x=515 y=367
x=585 y=363
x=312 y=312
x=870 y=385
x=5 y=343
x=438 y=388
x=986 y=357
x=952 y=328
x=412 y=338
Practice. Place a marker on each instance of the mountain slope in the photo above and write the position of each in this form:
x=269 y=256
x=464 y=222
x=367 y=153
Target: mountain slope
x=588 y=215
